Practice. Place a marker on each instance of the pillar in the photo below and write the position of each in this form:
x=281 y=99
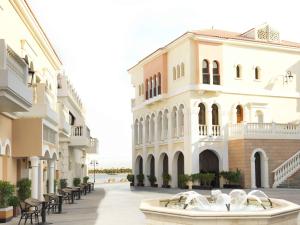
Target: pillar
x=51 y=175
x=253 y=178
x=34 y=176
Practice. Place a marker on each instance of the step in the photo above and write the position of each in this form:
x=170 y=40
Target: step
x=291 y=182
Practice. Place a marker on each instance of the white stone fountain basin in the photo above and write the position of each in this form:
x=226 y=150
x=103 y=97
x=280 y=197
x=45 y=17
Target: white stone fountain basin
x=283 y=213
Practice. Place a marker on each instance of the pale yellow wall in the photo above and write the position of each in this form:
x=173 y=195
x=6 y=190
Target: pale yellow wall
x=28 y=137
x=5 y=128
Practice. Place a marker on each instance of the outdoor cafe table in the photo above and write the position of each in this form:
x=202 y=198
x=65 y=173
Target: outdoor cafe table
x=60 y=200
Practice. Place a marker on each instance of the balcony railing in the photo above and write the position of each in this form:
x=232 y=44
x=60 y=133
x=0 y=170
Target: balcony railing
x=80 y=136
x=203 y=130
x=264 y=130
x=216 y=79
x=206 y=78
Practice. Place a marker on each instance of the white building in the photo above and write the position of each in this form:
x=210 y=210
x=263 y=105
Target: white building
x=215 y=100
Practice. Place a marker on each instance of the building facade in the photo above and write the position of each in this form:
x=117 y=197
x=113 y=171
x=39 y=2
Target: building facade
x=214 y=100
x=31 y=125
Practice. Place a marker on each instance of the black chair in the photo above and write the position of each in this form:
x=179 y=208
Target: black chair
x=28 y=212
x=52 y=203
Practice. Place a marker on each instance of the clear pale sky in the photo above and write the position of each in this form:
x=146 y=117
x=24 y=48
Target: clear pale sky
x=98 y=40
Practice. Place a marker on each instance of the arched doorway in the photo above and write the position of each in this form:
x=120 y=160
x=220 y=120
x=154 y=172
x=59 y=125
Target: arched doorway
x=257 y=169
x=152 y=166
x=180 y=166
x=209 y=162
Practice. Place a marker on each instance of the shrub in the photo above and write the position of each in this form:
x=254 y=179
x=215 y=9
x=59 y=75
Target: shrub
x=76 y=181
x=166 y=178
x=6 y=191
x=183 y=179
x=232 y=177
x=207 y=178
x=152 y=179
x=24 y=189
x=130 y=178
x=140 y=178
x=85 y=179
x=63 y=183
x=13 y=201
x=195 y=177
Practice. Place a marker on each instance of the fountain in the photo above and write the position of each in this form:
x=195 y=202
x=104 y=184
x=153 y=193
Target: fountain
x=237 y=207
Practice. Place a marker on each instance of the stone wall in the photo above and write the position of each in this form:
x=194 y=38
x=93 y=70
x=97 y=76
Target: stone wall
x=277 y=151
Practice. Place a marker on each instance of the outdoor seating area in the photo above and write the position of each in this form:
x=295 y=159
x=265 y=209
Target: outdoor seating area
x=35 y=211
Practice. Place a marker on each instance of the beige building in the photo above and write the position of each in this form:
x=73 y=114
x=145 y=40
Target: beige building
x=214 y=100
x=32 y=128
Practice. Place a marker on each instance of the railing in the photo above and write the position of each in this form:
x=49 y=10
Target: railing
x=206 y=78
x=264 y=130
x=285 y=170
x=203 y=130
x=80 y=131
x=216 y=130
x=216 y=79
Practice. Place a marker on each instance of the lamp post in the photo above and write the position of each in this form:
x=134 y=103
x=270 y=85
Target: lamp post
x=94 y=163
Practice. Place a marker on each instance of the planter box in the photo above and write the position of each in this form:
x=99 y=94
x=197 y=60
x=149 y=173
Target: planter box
x=154 y=185
x=140 y=185
x=131 y=184
x=6 y=214
x=165 y=186
x=202 y=187
x=232 y=186
x=17 y=211
x=184 y=187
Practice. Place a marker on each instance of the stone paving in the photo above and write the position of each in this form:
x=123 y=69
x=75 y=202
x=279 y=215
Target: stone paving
x=116 y=204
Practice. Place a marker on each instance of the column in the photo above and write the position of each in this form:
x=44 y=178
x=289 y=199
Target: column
x=194 y=138
x=178 y=123
x=40 y=180
x=211 y=72
x=51 y=175
x=34 y=176
x=253 y=178
x=209 y=119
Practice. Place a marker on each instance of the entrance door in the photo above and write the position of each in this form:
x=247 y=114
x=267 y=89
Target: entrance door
x=180 y=166
x=257 y=169
x=209 y=162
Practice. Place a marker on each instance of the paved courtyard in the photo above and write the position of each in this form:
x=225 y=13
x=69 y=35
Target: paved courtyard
x=114 y=204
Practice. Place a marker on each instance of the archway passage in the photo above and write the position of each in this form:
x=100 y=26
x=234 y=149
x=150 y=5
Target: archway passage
x=165 y=167
x=180 y=166
x=152 y=166
x=209 y=162
x=140 y=171
x=257 y=169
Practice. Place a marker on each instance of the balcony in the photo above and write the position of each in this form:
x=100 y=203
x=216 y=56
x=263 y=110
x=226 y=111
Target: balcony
x=15 y=96
x=94 y=147
x=44 y=104
x=264 y=131
x=80 y=136
x=64 y=125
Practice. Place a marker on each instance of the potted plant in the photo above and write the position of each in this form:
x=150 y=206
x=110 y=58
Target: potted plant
x=76 y=182
x=152 y=179
x=206 y=179
x=140 y=178
x=14 y=202
x=85 y=179
x=24 y=189
x=196 y=181
x=166 y=180
x=6 y=191
x=232 y=179
x=130 y=178
x=182 y=181
x=63 y=183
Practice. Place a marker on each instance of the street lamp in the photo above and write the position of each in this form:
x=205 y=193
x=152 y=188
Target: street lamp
x=94 y=163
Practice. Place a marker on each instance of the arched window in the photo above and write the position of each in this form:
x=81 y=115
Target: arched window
x=174 y=122
x=141 y=124
x=150 y=87
x=159 y=84
x=178 y=71
x=238 y=71
x=216 y=73
x=143 y=89
x=239 y=114
x=205 y=72
x=174 y=73
x=139 y=90
x=154 y=86
x=257 y=73
x=181 y=121
x=136 y=132
x=215 y=114
x=182 y=69
x=201 y=114
x=147 y=88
